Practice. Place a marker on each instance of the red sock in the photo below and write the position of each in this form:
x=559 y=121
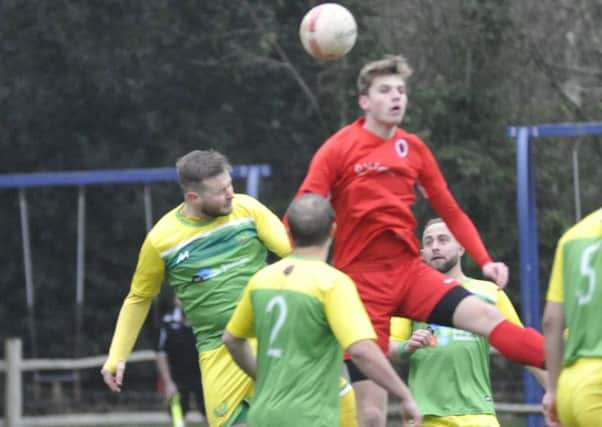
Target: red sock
x=520 y=345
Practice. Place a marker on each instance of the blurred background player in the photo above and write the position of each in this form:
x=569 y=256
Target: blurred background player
x=449 y=368
x=208 y=247
x=369 y=170
x=574 y=301
x=178 y=360
x=303 y=313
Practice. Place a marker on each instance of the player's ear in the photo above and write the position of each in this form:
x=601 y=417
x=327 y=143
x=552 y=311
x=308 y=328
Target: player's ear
x=290 y=236
x=333 y=229
x=422 y=254
x=363 y=102
x=461 y=250
x=191 y=196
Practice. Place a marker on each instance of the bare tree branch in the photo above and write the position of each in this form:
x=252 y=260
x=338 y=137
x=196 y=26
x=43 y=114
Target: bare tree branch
x=549 y=73
x=289 y=66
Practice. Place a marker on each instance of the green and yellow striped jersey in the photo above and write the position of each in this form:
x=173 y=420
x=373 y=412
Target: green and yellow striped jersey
x=208 y=264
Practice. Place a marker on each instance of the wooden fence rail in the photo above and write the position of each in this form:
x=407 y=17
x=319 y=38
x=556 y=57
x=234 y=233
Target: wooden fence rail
x=14 y=365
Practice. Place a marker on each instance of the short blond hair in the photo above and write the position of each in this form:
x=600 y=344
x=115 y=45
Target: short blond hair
x=389 y=65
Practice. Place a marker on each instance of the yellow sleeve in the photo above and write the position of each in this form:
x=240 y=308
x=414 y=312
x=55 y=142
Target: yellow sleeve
x=150 y=271
x=271 y=230
x=133 y=312
x=346 y=313
x=504 y=304
x=401 y=329
x=146 y=284
x=556 y=287
x=242 y=322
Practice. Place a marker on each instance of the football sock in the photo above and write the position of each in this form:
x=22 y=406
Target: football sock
x=520 y=345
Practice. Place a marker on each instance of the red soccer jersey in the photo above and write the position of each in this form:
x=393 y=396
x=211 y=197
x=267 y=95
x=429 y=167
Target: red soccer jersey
x=371 y=183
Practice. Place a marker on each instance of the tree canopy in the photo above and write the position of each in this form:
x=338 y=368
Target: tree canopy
x=112 y=84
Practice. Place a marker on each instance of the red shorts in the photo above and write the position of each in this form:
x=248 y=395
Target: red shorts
x=402 y=285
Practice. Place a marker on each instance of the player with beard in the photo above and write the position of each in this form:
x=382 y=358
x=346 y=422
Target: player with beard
x=455 y=359
x=207 y=248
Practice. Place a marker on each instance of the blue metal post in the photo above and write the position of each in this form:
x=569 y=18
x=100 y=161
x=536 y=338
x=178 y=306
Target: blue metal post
x=527 y=229
x=529 y=261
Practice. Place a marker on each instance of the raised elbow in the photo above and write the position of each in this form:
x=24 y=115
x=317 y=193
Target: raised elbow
x=361 y=350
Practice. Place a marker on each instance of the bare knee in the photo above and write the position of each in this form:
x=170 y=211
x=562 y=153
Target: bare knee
x=474 y=315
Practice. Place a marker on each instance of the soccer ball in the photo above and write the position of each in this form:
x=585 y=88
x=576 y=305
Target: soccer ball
x=328 y=31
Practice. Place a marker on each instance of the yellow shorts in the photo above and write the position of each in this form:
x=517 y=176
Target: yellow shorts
x=579 y=396
x=225 y=386
x=461 y=421
x=347 y=402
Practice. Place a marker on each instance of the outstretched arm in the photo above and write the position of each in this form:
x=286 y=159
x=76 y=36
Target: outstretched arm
x=440 y=198
x=131 y=318
x=467 y=234
x=146 y=284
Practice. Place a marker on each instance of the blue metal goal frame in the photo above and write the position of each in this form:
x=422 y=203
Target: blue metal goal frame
x=81 y=179
x=252 y=172
x=527 y=227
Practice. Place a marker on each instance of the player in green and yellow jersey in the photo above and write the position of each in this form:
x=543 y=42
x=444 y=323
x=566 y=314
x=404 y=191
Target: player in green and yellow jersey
x=574 y=301
x=449 y=368
x=207 y=248
x=304 y=313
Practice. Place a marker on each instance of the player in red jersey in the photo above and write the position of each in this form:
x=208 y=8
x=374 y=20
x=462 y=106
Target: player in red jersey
x=369 y=170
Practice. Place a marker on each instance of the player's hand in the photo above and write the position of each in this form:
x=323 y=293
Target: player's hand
x=114 y=381
x=420 y=338
x=411 y=415
x=498 y=272
x=549 y=410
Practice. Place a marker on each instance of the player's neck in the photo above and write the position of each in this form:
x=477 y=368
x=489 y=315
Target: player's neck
x=384 y=130
x=189 y=212
x=456 y=273
x=319 y=252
